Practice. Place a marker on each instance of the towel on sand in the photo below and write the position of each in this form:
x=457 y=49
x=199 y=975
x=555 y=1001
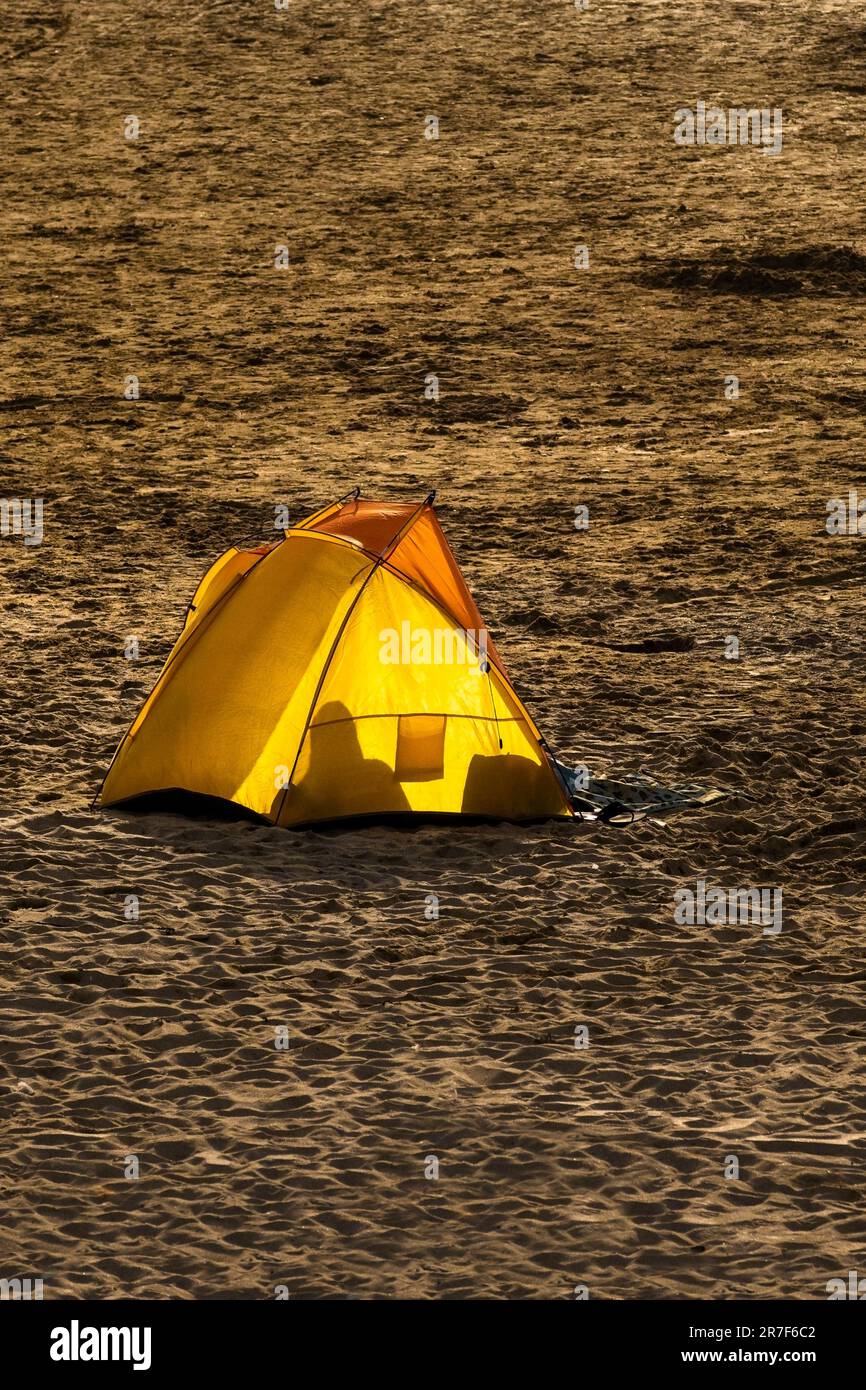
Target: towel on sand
x=620 y=801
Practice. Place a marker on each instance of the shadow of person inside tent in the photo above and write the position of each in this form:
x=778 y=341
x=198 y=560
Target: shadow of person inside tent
x=507 y=785
x=333 y=779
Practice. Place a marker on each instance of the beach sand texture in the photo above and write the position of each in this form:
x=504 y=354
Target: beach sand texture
x=559 y=386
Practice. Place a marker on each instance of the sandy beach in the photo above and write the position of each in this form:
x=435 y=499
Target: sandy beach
x=560 y=385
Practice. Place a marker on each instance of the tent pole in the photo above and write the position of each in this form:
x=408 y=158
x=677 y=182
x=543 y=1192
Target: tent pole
x=354 y=493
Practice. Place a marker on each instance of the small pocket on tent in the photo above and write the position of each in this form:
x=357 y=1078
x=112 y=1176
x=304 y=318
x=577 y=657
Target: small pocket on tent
x=420 y=747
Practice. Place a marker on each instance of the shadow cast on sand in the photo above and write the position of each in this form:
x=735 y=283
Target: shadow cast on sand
x=193 y=807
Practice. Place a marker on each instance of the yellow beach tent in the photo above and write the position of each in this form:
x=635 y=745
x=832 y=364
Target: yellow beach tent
x=343 y=670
